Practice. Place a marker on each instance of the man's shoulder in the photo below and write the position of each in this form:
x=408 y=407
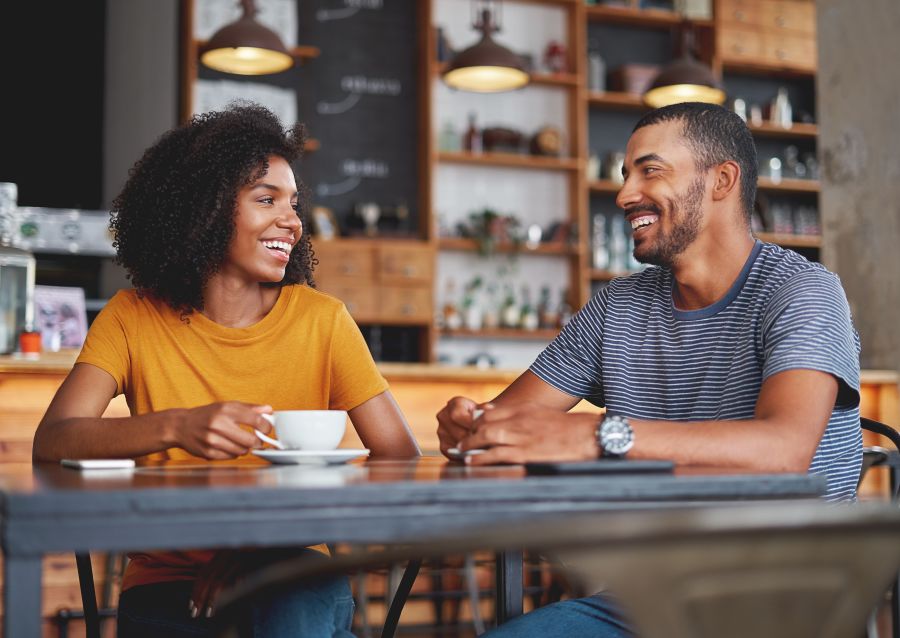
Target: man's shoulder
x=782 y=270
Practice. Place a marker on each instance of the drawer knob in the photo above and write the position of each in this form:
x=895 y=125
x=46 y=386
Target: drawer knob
x=409 y=271
x=781 y=54
x=780 y=21
x=407 y=309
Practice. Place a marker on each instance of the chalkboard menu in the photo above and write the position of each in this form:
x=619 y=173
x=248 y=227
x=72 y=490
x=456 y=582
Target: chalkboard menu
x=359 y=101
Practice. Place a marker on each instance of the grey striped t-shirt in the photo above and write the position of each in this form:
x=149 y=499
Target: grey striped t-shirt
x=629 y=349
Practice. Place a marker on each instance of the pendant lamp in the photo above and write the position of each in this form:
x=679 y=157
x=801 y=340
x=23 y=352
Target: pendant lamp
x=246 y=47
x=684 y=80
x=486 y=67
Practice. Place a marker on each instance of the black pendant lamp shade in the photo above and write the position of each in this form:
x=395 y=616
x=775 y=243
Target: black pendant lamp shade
x=486 y=67
x=684 y=80
x=246 y=47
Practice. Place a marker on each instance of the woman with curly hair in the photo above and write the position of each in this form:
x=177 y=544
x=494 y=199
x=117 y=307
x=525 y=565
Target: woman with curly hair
x=223 y=325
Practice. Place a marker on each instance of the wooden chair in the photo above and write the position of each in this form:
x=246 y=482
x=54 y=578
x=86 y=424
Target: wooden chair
x=798 y=570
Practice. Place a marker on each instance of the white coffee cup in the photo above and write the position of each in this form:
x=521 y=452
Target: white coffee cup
x=309 y=429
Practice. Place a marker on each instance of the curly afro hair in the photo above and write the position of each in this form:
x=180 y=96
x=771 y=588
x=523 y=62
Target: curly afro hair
x=174 y=219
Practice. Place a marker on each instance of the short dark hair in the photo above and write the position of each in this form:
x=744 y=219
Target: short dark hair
x=174 y=220
x=714 y=135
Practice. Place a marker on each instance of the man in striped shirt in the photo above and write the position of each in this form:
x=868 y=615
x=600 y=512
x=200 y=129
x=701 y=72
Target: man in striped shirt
x=726 y=352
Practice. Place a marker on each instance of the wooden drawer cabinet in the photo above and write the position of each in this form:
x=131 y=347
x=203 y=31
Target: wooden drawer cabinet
x=339 y=261
x=386 y=282
x=406 y=304
x=774 y=33
x=770 y=15
x=360 y=299
x=403 y=262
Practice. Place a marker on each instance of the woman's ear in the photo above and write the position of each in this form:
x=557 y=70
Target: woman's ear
x=727 y=179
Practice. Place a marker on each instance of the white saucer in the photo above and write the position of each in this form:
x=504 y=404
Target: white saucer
x=310 y=457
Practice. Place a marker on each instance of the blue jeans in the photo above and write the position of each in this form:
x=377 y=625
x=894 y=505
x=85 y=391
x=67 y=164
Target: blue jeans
x=592 y=617
x=161 y=609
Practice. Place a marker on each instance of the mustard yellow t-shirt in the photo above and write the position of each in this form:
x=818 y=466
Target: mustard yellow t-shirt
x=306 y=354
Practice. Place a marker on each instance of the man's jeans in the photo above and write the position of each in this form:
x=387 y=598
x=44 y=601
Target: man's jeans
x=592 y=617
x=324 y=610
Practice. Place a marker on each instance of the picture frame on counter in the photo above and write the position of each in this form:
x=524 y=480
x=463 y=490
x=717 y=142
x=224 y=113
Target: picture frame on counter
x=60 y=316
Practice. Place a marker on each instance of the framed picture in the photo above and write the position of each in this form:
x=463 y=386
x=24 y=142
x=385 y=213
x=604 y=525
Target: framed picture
x=60 y=316
x=324 y=223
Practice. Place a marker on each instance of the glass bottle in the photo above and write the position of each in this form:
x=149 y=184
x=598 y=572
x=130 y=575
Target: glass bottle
x=510 y=315
x=452 y=318
x=596 y=72
x=529 y=317
x=448 y=141
x=618 y=245
x=472 y=137
x=547 y=315
x=599 y=243
x=565 y=309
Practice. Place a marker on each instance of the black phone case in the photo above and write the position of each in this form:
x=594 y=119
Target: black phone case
x=600 y=466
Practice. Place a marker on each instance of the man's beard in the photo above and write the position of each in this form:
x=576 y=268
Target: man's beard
x=668 y=246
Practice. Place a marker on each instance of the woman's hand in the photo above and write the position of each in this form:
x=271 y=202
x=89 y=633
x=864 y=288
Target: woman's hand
x=229 y=566
x=214 y=431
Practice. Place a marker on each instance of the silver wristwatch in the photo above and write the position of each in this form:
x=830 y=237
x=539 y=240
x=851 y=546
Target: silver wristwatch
x=614 y=436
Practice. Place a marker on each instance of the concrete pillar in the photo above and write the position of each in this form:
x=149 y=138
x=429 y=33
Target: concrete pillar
x=858 y=98
x=141 y=100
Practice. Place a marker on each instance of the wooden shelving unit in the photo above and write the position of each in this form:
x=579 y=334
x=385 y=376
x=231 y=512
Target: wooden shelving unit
x=546 y=248
x=511 y=160
x=788 y=185
x=634 y=17
x=616 y=100
x=799 y=130
x=607 y=275
x=580 y=18
x=509 y=334
x=792 y=241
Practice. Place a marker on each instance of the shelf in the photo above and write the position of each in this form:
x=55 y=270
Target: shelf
x=461 y=244
x=791 y=241
x=545 y=334
x=649 y=18
x=537 y=78
x=769 y=70
x=798 y=130
x=609 y=187
x=617 y=100
x=301 y=53
x=789 y=185
x=606 y=186
x=607 y=275
x=510 y=160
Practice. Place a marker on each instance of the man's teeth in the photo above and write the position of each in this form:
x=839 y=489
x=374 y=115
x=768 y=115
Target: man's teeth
x=640 y=222
x=278 y=245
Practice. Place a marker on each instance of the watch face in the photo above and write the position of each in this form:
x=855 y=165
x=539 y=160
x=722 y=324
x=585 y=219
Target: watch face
x=616 y=436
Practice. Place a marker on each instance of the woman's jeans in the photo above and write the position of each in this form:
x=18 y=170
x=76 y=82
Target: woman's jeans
x=592 y=617
x=322 y=610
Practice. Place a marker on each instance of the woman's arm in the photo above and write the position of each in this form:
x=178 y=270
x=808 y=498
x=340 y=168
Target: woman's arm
x=382 y=427
x=73 y=427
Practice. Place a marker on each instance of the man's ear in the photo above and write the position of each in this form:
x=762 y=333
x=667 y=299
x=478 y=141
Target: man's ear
x=727 y=176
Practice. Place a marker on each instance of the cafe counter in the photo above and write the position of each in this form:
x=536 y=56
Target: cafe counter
x=27 y=386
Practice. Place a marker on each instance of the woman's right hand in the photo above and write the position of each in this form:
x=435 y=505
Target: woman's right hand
x=455 y=422
x=214 y=431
